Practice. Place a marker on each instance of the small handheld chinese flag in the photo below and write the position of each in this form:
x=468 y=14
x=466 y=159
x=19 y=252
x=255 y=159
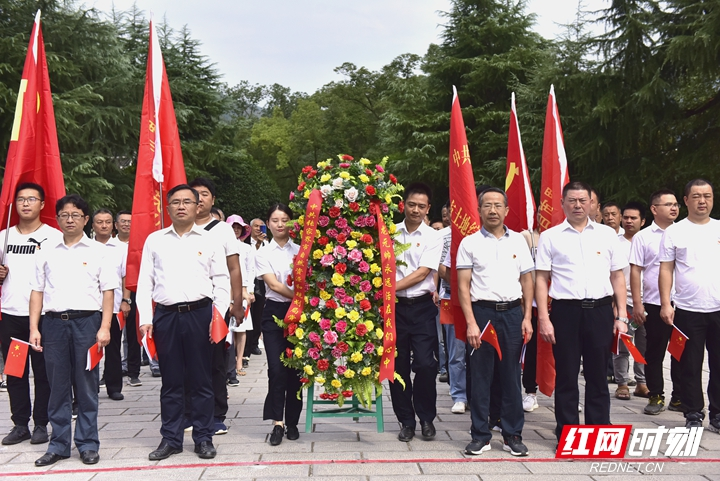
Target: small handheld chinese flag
x=121 y=320
x=16 y=358
x=489 y=334
x=219 y=329
x=446 y=311
x=676 y=346
x=149 y=345
x=634 y=352
x=95 y=353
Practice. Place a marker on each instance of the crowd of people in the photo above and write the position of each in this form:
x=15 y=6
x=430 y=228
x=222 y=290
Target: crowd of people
x=574 y=285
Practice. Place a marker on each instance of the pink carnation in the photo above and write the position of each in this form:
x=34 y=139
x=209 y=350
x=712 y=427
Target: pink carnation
x=332 y=233
x=369 y=347
x=378 y=295
x=341 y=370
x=314 y=337
x=364 y=267
x=355 y=279
x=365 y=286
x=323 y=220
x=325 y=324
x=360 y=221
x=348 y=300
x=327 y=260
x=355 y=255
x=330 y=337
x=337 y=353
x=384 y=208
x=370 y=221
x=340 y=252
x=314 y=301
x=341 y=223
x=292 y=195
x=341 y=326
x=344 y=165
x=379 y=168
x=314 y=353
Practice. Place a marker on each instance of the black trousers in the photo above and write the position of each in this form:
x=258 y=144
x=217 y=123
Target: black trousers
x=252 y=337
x=113 y=359
x=219 y=378
x=658 y=335
x=185 y=352
x=133 y=354
x=703 y=331
x=586 y=333
x=19 y=388
x=281 y=402
x=416 y=333
x=529 y=374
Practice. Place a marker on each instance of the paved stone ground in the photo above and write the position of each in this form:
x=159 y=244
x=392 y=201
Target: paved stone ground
x=336 y=449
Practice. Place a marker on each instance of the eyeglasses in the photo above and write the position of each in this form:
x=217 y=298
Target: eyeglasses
x=669 y=205
x=65 y=216
x=29 y=200
x=184 y=202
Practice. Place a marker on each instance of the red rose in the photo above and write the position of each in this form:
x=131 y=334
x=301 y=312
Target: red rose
x=334 y=212
x=304 y=380
x=301 y=186
x=343 y=346
x=340 y=268
x=373 y=208
x=393 y=179
x=289 y=280
x=288 y=352
x=369 y=172
x=370 y=190
x=331 y=304
x=361 y=329
x=367 y=238
x=347 y=393
x=354 y=206
x=306 y=169
x=312 y=174
x=365 y=305
x=321 y=284
x=292 y=234
x=347 y=157
x=323 y=364
x=328 y=167
x=401 y=206
x=323 y=241
x=341 y=238
x=291 y=328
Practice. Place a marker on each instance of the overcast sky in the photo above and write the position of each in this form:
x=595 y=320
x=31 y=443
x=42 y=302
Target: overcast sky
x=298 y=43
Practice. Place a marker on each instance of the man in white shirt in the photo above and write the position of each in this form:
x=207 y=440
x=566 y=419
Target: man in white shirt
x=495 y=287
x=633 y=218
x=644 y=271
x=74 y=285
x=583 y=261
x=185 y=272
x=415 y=317
x=25 y=241
x=223 y=234
x=611 y=217
x=690 y=250
x=257 y=239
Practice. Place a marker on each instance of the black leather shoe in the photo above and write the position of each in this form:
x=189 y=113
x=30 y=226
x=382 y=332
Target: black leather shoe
x=89 y=457
x=155 y=372
x=116 y=396
x=205 y=450
x=406 y=434
x=428 y=430
x=17 y=435
x=163 y=451
x=49 y=458
x=256 y=352
x=276 y=436
x=292 y=433
x=39 y=435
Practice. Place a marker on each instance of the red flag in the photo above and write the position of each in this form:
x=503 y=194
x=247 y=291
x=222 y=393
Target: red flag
x=489 y=334
x=121 y=320
x=219 y=328
x=33 y=154
x=160 y=165
x=676 y=346
x=149 y=345
x=94 y=354
x=16 y=358
x=464 y=216
x=634 y=352
x=446 y=312
x=554 y=177
x=517 y=180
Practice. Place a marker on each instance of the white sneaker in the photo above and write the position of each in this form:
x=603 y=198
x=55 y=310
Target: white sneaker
x=458 y=408
x=530 y=403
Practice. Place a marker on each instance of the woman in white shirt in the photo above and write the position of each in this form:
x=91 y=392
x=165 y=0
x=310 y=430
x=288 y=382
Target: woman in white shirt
x=247 y=266
x=273 y=265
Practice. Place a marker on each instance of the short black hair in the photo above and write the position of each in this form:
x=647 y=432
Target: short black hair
x=30 y=185
x=635 y=205
x=492 y=189
x=480 y=188
x=281 y=207
x=610 y=204
x=203 y=182
x=215 y=210
x=432 y=221
x=122 y=212
x=655 y=196
x=418 y=188
x=695 y=183
x=101 y=210
x=577 y=185
x=75 y=200
x=180 y=187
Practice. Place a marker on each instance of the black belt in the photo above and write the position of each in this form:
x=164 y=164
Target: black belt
x=499 y=306
x=185 y=306
x=409 y=301
x=67 y=315
x=587 y=303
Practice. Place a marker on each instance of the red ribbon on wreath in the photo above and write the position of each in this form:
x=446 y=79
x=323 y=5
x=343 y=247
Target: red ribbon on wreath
x=301 y=260
x=387 y=257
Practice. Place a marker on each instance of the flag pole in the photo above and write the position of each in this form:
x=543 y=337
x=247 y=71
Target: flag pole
x=7 y=234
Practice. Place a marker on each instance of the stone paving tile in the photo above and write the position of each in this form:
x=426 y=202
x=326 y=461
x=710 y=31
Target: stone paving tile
x=408 y=469
x=473 y=468
x=383 y=455
x=249 y=472
x=270 y=457
x=179 y=474
x=434 y=477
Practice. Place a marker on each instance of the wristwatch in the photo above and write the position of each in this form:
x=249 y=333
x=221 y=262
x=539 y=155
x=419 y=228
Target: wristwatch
x=129 y=301
x=624 y=319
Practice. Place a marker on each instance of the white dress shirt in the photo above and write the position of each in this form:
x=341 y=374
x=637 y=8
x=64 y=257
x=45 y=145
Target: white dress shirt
x=580 y=263
x=695 y=248
x=276 y=260
x=247 y=263
x=496 y=264
x=425 y=250
x=22 y=252
x=176 y=269
x=75 y=277
x=625 y=247
x=117 y=257
x=645 y=253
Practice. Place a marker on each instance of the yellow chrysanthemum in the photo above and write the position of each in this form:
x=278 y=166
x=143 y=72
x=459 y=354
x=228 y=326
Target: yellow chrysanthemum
x=369 y=324
x=315 y=316
x=307 y=193
x=364 y=161
x=298 y=352
x=303 y=319
x=364 y=178
x=380 y=350
x=392 y=228
x=325 y=177
x=351 y=244
x=368 y=253
x=338 y=280
x=355 y=234
x=317 y=254
x=356 y=357
x=377 y=282
x=301 y=220
x=353 y=316
x=325 y=295
x=359 y=296
x=335 y=383
x=340 y=312
x=388 y=199
x=328 y=249
x=320 y=380
x=322 y=165
x=300 y=333
x=379 y=333
x=366 y=371
x=308 y=370
x=374 y=268
x=349 y=374
x=344 y=175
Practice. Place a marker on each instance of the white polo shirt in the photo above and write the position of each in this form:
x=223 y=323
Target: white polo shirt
x=645 y=253
x=117 y=257
x=175 y=269
x=20 y=257
x=580 y=263
x=625 y=246
x=496 y=264
x=425 y=250
x=224 y=235
x=695 y=249
x=75 y=277
x=276 y=260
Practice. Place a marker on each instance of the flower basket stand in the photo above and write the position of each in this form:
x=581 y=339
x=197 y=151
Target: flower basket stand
x=351 y=409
